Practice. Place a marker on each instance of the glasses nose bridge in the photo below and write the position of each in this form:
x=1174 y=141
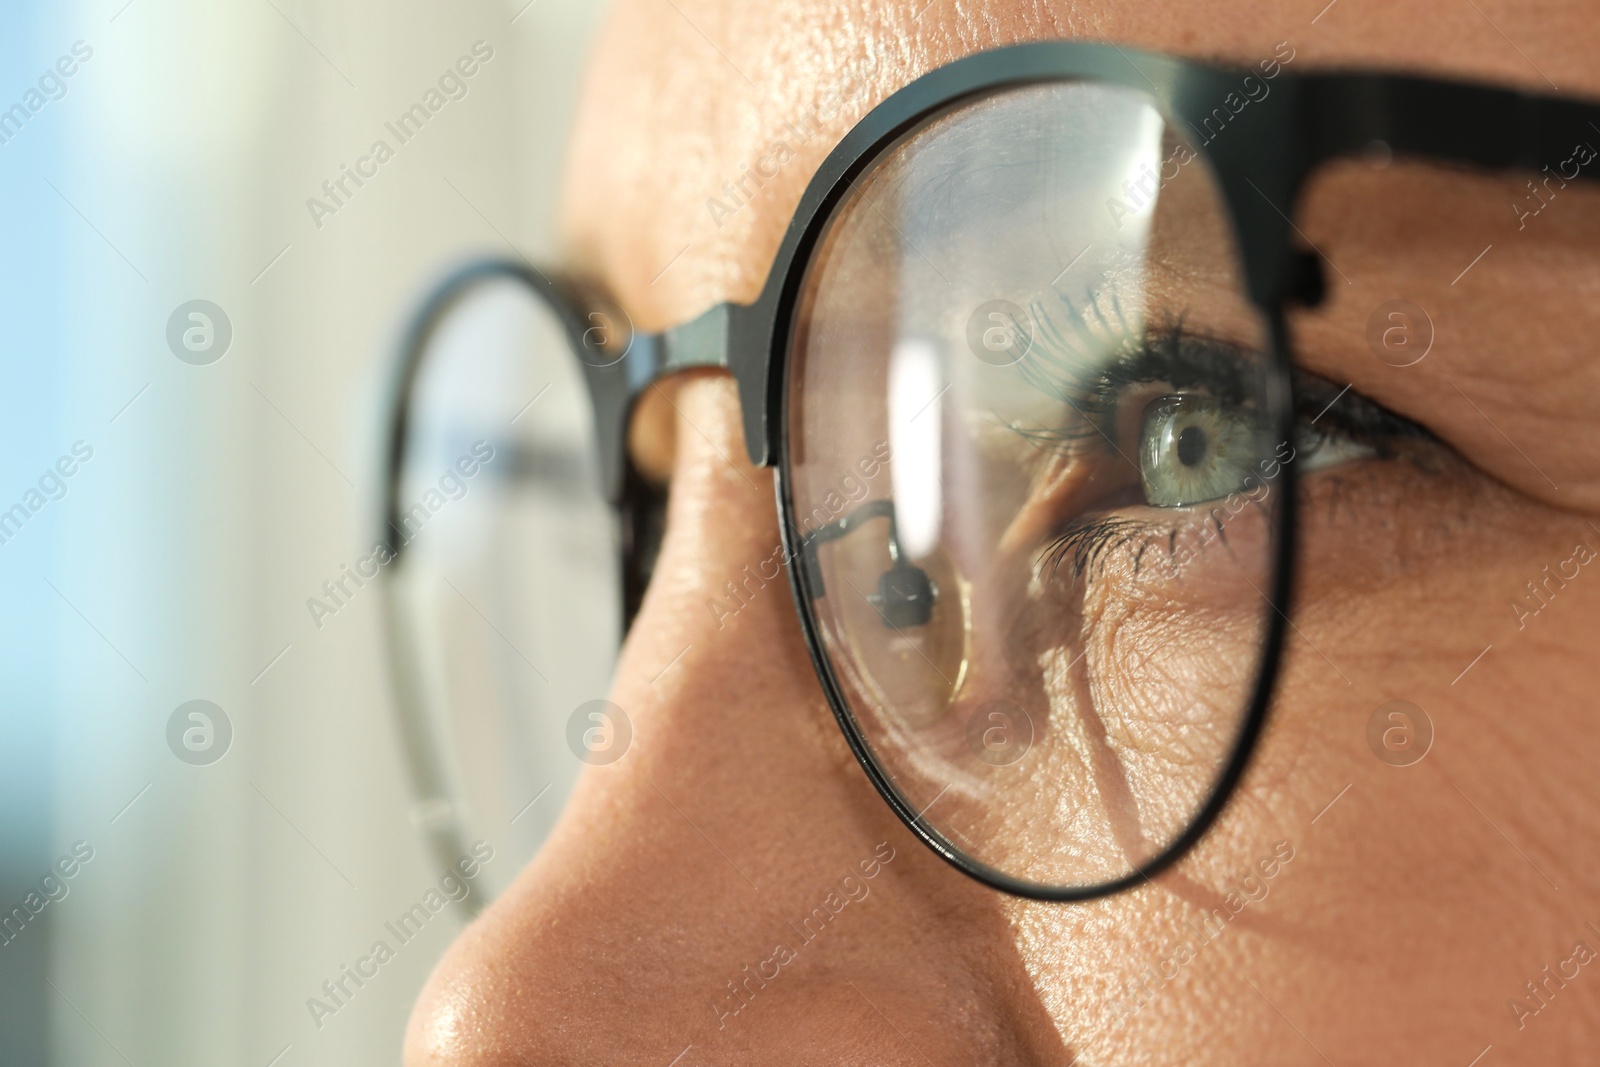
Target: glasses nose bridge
x=723 y=336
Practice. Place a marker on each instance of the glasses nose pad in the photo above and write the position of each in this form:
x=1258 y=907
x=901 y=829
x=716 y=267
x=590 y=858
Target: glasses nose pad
x=911 y=638
x=899 y=631
x=906 y=596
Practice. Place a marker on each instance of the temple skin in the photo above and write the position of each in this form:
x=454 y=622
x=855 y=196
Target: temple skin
x=1418 y=907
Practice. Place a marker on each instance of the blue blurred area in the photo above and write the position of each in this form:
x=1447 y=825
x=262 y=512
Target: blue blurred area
x=35 y=366
x=174 y=166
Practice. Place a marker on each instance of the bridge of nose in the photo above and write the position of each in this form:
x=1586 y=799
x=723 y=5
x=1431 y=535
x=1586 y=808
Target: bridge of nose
x=733 y=882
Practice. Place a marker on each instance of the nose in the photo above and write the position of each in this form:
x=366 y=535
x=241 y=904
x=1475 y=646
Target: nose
x=731 y=890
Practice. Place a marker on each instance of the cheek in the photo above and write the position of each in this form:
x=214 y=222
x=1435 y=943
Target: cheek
x=1430 y=875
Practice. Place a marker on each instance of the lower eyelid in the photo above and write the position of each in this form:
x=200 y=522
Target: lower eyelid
x=1083 y=548
x=1332 y=452
x=1168 y=539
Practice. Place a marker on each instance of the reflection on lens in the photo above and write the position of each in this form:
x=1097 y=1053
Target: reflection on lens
x=508 y=575
x=1044 y=608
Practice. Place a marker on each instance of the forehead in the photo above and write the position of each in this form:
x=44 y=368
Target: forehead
x=702 y=120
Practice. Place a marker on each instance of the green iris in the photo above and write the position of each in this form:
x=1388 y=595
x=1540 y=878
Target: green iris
x=1193 y=449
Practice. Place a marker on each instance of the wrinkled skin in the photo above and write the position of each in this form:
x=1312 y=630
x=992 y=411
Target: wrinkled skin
x=1412 y=911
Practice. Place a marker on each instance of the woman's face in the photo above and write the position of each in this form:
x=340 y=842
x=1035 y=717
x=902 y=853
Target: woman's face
x=1350 y=906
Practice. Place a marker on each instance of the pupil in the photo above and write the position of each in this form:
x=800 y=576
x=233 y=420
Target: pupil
x=1191 y=445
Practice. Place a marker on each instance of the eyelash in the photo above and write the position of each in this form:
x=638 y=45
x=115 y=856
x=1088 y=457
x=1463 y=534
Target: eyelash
x=1088 y=539
x=1188 y=361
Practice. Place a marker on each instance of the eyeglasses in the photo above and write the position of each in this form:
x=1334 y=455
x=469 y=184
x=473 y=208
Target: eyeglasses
x=1021 y=367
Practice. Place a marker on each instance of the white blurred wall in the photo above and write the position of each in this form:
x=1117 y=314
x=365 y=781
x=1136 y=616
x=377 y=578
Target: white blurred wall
x=178 y=565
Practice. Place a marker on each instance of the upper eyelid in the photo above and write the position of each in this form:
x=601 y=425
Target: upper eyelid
x=1092 y=387
x=1124 y=354
x=1323 y=402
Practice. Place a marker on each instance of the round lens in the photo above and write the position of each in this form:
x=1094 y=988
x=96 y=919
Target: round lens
x=1033 y=464
x=509 y=573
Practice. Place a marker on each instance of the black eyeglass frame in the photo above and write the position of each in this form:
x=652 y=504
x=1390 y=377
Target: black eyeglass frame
x=1262 y=164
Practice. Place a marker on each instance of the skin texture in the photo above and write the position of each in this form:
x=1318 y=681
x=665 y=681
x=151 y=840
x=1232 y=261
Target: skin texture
x=1418 y=900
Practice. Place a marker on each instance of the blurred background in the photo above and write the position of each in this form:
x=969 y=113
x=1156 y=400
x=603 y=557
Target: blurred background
x=179 y=881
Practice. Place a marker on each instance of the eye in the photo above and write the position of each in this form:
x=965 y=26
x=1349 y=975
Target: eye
x=1196 y=448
